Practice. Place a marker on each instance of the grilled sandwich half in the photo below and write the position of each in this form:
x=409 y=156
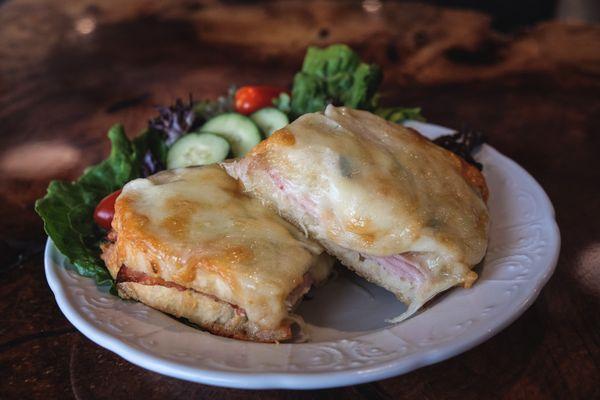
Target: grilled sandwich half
x=188 y=242
x=394 y=207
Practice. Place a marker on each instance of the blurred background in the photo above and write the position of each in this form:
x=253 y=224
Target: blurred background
x=507 y=14
x=511 y=14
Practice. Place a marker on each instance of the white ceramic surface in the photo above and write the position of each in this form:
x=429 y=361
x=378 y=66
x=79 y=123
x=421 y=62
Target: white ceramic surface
x=350 y=342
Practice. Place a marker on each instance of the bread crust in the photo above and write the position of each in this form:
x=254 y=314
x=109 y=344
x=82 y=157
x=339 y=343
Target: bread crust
x=217 y=317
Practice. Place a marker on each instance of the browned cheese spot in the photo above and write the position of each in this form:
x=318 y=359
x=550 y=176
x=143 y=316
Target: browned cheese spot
x=363 y=228
x=180 y=212
x=282 y=137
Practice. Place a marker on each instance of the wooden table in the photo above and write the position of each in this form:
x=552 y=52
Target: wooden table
x=67 y=72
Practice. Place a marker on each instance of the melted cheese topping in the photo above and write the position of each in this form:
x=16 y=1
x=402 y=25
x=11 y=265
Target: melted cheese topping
x=371 y=186
x=194 y=227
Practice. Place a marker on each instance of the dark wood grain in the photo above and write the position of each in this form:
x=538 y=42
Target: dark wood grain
x=535 y=93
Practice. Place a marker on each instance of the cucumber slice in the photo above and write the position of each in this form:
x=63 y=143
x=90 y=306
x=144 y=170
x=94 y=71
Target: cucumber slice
x=197 y=149
x=241 y=133
x=269 y=120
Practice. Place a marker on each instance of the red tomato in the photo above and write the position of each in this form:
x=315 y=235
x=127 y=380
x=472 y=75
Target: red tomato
x=105 y=210
x=252 y=98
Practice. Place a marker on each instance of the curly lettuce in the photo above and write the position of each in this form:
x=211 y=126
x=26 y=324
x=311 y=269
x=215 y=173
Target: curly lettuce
x=68 y=207
x=334 y=75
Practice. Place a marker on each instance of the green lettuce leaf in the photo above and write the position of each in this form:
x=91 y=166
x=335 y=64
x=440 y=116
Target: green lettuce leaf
x=400 y=114
x=68 y=207
x=334 y=75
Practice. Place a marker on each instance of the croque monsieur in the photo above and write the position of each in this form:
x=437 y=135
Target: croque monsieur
x=394 y=207
x=188 y=242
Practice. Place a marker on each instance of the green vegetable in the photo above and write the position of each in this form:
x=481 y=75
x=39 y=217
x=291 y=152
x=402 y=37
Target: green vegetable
x=68 y=207
x=269 y=120
x=400 y=114
x=334 y=75
x=240 y=132
x=197 y=149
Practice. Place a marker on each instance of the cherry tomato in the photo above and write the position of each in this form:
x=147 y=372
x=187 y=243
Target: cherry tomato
x=105 y=210
x=252 y=98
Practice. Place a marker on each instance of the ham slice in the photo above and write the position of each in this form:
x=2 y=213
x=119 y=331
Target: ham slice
x=400 y=265
x=397 y=264
x=304 y=202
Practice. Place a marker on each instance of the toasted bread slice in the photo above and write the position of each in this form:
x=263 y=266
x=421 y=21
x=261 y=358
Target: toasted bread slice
x=188 y=242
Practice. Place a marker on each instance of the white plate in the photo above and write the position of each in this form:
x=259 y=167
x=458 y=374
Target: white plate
x=350 y=343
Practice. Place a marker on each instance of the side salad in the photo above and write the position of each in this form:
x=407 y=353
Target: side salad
x=77 y=214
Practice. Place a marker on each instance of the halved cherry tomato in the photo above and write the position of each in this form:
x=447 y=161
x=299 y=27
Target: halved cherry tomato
x=105 y=210
x=252 y=98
